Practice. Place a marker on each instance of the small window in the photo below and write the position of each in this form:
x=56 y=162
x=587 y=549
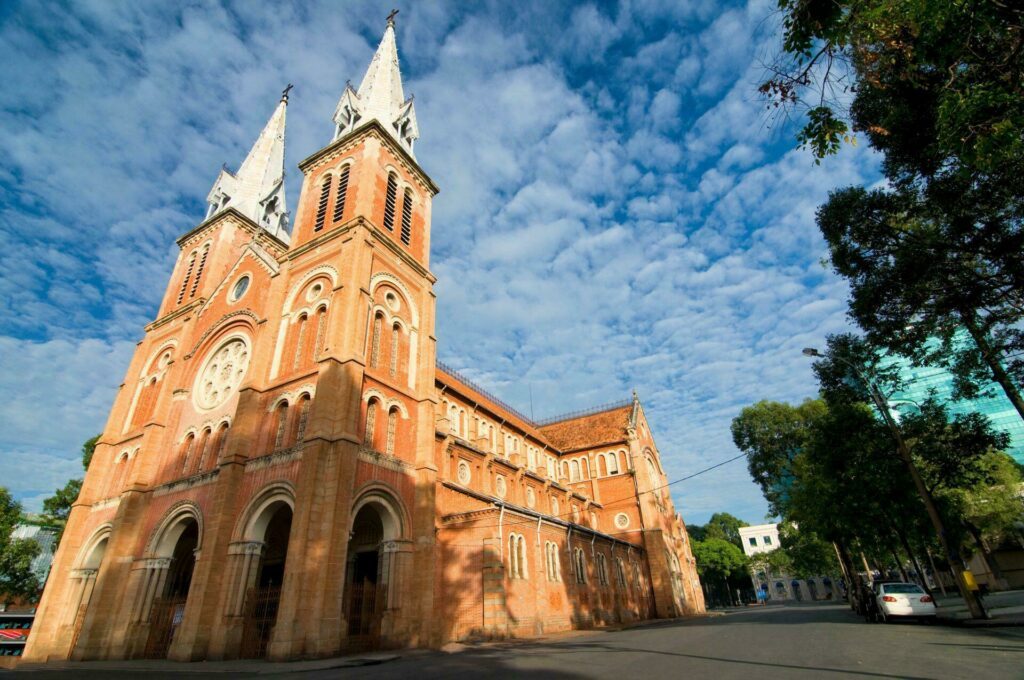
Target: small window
x=407 y=217
x=389 y=203
x=767 y=540
x=342 y=193
x=321 y=207
x=241 y=286
x=753 y=541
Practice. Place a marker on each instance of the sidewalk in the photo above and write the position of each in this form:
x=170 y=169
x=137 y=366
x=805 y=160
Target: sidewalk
x=1005 y=608
x=237 y=666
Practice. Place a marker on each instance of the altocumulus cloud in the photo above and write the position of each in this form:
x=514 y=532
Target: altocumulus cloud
x=615 y=213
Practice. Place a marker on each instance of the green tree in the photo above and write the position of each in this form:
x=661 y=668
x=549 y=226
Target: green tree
x=16 y=554
x=722 y=566
x=809 y=555
x=937 y=89
x=57 y=507
x=772 y=434
x=725 y=527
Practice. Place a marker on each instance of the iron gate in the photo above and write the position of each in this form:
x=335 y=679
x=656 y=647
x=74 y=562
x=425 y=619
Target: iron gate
x=261 y=606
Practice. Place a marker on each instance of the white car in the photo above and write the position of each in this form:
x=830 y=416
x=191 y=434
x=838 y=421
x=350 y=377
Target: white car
x=897 y=600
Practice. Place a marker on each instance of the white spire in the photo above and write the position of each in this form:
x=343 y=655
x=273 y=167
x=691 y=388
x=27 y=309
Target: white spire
x=257 y=189
x=380 y=97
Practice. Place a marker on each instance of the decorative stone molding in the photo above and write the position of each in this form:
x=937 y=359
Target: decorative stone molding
x=187 y=483
x=385 y=461
x=276 y=458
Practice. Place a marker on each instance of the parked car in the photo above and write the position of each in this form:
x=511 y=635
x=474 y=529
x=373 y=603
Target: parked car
x=897 y=600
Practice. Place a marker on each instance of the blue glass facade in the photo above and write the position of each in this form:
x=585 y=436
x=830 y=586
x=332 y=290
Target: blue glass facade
x=920 y=381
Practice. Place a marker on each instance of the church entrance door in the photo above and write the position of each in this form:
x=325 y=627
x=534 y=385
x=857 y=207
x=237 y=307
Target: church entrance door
x=168 y=610
x=262 y=600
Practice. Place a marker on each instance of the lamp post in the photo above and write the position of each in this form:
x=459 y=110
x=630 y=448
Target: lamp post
x=973 y=603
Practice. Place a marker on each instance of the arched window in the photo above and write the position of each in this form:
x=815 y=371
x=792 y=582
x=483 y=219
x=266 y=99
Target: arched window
x=620 y=572
x=300 y=421
x=321 y=332
x=217 y=446
x=300 y=341
x=636 y=576
x=321 y=206
x=602 y=569
x=613 y=463
x=407 y=217
x=201 y=447
x=531 y=457
x=517 y=556
x=280 y=423
x=585 y=463
x=371 y=422
x=199 y=270
x=396 y=332
x=341 y=194
x=580 y=565
x=185 y=453
x=392 y=431
x=147 y=403
x=378 y=323
x=188 y=276
x=574 y=471
x=389 y=202
x=453 y=419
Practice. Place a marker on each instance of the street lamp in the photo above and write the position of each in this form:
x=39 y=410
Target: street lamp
x=973 y=603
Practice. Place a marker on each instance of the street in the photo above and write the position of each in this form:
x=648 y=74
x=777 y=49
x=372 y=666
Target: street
x=809 y=641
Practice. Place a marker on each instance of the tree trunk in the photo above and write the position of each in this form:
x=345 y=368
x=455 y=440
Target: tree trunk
x=913 y=559
x=986 y=554
x=999 y=374
x=899 y=565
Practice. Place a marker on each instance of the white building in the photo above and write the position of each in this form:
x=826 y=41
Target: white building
x=764 y=538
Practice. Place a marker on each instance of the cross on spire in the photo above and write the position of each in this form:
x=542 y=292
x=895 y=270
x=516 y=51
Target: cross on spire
x=284 y=93
x=391 y=17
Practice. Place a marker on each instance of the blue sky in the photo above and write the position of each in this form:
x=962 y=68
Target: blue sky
x=616 y=210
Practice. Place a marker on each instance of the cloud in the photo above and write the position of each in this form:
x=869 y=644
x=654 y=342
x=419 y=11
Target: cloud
x=614 y=212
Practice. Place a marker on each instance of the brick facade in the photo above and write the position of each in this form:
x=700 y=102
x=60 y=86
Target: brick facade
x=286 y=472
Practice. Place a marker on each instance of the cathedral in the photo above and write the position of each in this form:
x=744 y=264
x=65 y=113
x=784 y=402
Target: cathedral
x=288 y=472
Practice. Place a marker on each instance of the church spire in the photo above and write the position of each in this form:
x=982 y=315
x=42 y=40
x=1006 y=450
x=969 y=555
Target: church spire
x=257 y=189
x=380 y=96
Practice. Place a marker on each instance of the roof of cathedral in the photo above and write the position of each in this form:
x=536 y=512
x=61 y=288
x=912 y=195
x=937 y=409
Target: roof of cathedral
x=590 y=430
x=257 y=190
x=380 y=97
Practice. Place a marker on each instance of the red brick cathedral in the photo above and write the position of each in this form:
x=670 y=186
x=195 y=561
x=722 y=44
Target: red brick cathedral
x=288 y=472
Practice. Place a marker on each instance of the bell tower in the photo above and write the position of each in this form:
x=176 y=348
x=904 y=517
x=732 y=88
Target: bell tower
x=369 y=171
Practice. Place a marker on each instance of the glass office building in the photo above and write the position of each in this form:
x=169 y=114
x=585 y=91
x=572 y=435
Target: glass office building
x=919 y=382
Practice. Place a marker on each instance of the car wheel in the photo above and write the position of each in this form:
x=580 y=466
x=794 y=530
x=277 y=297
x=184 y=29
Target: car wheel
x=882 y=617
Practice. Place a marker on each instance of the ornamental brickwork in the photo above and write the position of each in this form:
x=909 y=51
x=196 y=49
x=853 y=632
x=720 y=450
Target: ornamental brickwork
x=286 y=472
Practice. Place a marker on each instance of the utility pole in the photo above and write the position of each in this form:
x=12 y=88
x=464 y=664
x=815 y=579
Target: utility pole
x=973 y=603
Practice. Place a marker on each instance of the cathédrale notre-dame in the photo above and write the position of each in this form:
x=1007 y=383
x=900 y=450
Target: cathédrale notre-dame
x=288 y=472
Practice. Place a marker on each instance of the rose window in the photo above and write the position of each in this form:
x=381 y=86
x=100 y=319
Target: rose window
x=222 y=374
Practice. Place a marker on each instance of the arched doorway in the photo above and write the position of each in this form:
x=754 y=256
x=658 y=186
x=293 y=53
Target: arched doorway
x=180 y=541
x=272 y=526
x=85 y=582
x=370 y=571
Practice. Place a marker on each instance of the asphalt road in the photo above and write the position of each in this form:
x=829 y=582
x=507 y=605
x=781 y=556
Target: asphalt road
x=811 y=641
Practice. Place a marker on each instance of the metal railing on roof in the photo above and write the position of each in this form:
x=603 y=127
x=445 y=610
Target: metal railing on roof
x=469 y=383
x=519 y=414
x=585 y=412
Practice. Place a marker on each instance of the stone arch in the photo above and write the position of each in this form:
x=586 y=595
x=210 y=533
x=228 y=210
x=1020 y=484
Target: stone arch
x=171 y=526
x=323 y=270
x=261 y=509
x=171 y=345
x=90 y=556
x=387 y=277
x=385 y=500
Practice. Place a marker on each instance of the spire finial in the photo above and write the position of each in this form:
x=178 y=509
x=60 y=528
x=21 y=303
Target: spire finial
x=284 y=93
x=391 y=18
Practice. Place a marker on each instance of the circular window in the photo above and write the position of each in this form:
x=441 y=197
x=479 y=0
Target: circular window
x=622 y=520
x=463 y=473
x=222 y=373
x=314 y=291
x=241 y=285
x=531 y=498
x=391 y=300
x=499 y=487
